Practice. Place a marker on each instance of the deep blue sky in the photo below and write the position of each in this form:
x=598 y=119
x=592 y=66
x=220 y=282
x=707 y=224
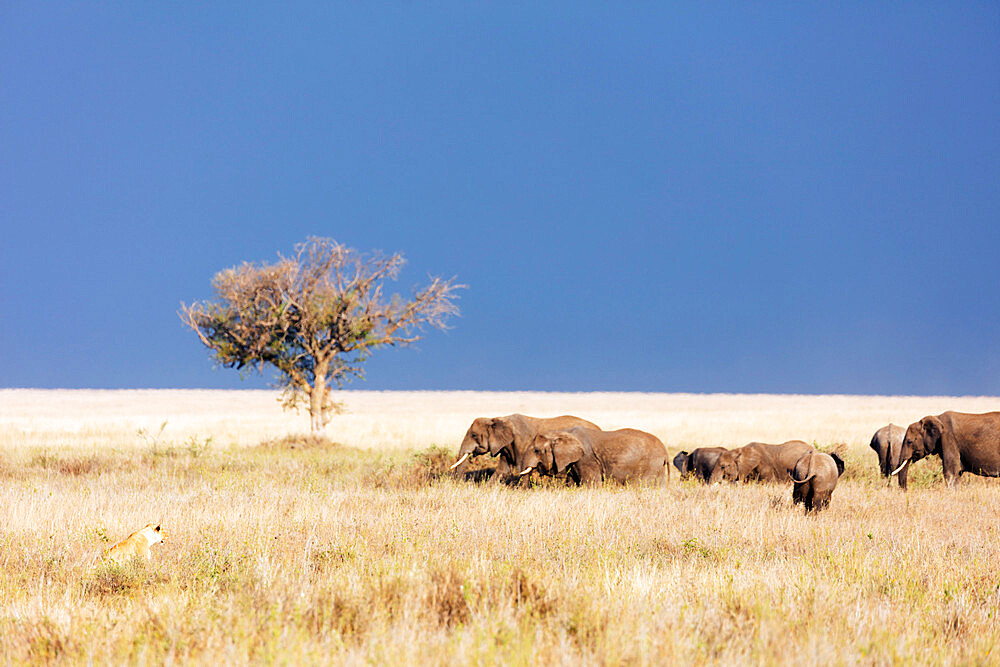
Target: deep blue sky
x=778 y=198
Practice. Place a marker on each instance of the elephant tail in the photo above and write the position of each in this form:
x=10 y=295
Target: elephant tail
x=810 y=473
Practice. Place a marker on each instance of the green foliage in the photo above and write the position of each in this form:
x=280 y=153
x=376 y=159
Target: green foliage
x=196 y=446
x=153 y=440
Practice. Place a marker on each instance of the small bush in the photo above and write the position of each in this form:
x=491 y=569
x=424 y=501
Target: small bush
x=197 y=446
x=432 y=462
x=76 y=466
x=421 y=469
x=114 y=580
x=299 y=441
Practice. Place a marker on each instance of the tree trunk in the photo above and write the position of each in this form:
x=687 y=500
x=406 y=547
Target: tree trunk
x=317 y=400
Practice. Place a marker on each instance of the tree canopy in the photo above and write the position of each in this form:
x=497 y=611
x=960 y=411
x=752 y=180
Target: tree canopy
x=315 y=317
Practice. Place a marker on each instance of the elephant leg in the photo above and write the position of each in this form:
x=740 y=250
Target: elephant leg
x=503 y=471
x=823 y=502
x=951 y=462
x=590 y=475
x=952 y=471
x=797 y=494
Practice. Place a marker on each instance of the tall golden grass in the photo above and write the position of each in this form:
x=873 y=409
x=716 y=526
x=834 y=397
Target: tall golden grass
x=282 y=549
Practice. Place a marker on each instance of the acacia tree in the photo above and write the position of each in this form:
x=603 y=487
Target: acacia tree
x=315 y=317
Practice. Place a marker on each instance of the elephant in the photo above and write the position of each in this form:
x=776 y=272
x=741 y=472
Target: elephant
x=699 y=462
x=965 y=442
x=591 y=456
x=758 y=461
x=815 y=475
x=507 y=437
x=886 y=443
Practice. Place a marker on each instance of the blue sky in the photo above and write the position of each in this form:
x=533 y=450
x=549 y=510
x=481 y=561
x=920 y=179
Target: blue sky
x=700 y=197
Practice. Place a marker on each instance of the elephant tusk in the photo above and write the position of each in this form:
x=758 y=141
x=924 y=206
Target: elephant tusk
x=525 y=471
x=899 y=468
x=459 y=462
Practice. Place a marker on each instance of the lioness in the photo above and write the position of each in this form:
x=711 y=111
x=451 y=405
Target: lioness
x=135 y=545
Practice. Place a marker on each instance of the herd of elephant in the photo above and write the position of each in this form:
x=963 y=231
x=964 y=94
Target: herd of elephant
x=588 y=455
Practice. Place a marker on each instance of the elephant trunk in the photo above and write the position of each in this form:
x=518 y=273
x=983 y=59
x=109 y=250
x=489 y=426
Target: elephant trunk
x=467 y=450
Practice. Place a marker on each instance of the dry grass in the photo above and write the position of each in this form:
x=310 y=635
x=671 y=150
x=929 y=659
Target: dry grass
x=360 y=550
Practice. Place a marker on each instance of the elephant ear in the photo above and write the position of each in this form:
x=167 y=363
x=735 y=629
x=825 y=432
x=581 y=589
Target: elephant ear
x=501 y=435
x=839 y=462
x=745 y=462
x=683 y=462
x=566 y=450
x=933 y=428
x=738 y=464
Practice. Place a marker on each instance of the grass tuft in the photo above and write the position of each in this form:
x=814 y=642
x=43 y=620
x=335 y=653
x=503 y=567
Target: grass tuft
x=129 y=580
x=299 y=441
x=446 y=598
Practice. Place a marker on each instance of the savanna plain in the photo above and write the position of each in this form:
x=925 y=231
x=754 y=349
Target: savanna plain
x=281 y=548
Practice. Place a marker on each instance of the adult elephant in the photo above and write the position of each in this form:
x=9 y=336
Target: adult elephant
x=887 y=442
x=590 y=456
x=965 y=442
x=508 y=437
x=759 y=461
x=815 y=476
x=699 y=462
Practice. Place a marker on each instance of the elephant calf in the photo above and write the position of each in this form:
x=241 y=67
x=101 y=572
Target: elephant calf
x=815 y=476
x=590 y=456
x=699 y=463
x=759 y=461
x=887 y=443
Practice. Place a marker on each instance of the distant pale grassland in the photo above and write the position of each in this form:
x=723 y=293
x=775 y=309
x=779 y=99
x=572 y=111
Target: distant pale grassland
x=363 y=552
